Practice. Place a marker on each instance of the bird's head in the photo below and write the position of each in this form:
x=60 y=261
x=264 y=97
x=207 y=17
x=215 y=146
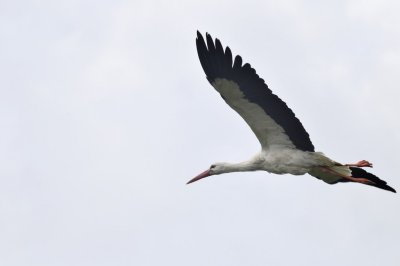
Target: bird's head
x=215 y=169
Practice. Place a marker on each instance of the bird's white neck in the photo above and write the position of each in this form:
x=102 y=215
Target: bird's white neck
x=245 y=166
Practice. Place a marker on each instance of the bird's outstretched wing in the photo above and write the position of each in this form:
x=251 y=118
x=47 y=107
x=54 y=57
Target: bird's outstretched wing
x=377 y=182
x=272 y=121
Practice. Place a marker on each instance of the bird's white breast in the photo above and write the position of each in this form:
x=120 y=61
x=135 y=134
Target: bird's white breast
x=292 y=161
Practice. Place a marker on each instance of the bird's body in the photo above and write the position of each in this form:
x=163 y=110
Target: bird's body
x=292 y=161
x=286 y=147
x=286 y=161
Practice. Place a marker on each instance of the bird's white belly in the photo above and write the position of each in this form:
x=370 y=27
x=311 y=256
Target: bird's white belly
x=292 y=161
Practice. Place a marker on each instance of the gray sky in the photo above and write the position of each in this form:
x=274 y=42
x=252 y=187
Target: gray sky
x=105 y=113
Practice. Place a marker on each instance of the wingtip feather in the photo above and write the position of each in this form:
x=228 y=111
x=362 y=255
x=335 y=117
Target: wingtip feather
x=238 y=62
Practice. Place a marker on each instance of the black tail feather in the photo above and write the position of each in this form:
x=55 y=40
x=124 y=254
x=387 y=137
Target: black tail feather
x=361 y=173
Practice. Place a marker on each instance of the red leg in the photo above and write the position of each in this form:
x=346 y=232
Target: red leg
x=350 y=178
x=362 y=163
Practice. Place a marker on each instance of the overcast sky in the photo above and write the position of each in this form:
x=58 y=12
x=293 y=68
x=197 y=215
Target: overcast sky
x=105 y=114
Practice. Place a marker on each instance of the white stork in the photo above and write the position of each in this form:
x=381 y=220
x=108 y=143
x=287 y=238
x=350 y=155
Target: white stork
x=286 y=146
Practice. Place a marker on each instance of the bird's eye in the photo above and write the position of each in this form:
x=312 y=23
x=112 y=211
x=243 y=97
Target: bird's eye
x=212 y=166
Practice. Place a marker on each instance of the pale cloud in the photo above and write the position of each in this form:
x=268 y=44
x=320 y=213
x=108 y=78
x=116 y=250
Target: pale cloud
x=105 y=113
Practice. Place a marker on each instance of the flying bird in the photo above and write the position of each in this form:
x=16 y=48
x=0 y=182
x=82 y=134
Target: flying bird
x=286 y=147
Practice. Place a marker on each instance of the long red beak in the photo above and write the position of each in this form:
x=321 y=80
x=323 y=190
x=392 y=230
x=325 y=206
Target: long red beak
x=200 y=176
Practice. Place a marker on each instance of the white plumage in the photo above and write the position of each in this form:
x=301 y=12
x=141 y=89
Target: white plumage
x=285 y=145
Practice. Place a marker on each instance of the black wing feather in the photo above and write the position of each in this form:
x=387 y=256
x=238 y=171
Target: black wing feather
x=379 y=183
x=217 y=64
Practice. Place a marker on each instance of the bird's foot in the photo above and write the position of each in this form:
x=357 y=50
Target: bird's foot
x=362 y=163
